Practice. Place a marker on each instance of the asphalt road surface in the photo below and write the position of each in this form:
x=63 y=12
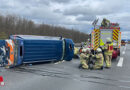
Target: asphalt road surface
x=67 y=76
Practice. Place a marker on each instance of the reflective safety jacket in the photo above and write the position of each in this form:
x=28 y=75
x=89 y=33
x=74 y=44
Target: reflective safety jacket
x=108 y=49
x=84 y=56
x=99 y=59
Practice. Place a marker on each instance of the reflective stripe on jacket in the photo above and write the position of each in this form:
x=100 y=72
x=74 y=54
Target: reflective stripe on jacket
x=108 y=49
x=84 y=56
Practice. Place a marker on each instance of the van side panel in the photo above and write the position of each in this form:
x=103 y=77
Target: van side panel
x=38 y=50
x=35 y=49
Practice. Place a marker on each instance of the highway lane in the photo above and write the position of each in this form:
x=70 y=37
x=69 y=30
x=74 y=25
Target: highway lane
x=67 y=76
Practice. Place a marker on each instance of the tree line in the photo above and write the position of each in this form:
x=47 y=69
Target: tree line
x=11 y=24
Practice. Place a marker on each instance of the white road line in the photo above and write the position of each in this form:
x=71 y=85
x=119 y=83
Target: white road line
x=123 y=52
x=125 y=48
x=120 y=63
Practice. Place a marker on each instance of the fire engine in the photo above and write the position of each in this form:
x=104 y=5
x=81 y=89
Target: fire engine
x=106 y=30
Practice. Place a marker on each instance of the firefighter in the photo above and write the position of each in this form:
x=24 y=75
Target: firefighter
x=99 y=59
x=108 y=50
x=84 y=58
x=105 y=23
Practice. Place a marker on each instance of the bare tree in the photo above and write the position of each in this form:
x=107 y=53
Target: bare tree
x=11 y=24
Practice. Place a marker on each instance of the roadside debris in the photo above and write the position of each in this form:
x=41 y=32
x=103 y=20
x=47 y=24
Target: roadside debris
x=59 y=62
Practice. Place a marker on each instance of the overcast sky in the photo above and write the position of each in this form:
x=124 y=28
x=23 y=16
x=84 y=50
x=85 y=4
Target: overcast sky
x=77 y=14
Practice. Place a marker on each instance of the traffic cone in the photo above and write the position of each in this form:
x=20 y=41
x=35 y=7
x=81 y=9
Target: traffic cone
x=1 y=81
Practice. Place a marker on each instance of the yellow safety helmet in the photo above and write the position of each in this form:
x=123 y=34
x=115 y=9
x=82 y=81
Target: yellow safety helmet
x=99 y=50
x=83 y=50
x=88 y=49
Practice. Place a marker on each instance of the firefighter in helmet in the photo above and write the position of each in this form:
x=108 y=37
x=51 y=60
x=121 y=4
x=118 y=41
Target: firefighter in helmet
x=84 y=58
x=108 y=50
x=105 y=23
x=99 y=59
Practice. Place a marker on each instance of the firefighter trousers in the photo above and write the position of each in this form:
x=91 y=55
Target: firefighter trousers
x=96 y=67
x=108 y=59
x=84 y=64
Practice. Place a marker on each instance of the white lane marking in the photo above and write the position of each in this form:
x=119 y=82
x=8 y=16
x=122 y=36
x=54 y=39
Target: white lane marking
x=124 y=87
x=123 y=52
x=120 y=63
x=125 y=48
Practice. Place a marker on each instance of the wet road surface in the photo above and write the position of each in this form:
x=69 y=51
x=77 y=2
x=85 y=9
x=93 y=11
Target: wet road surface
x=67 y=76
